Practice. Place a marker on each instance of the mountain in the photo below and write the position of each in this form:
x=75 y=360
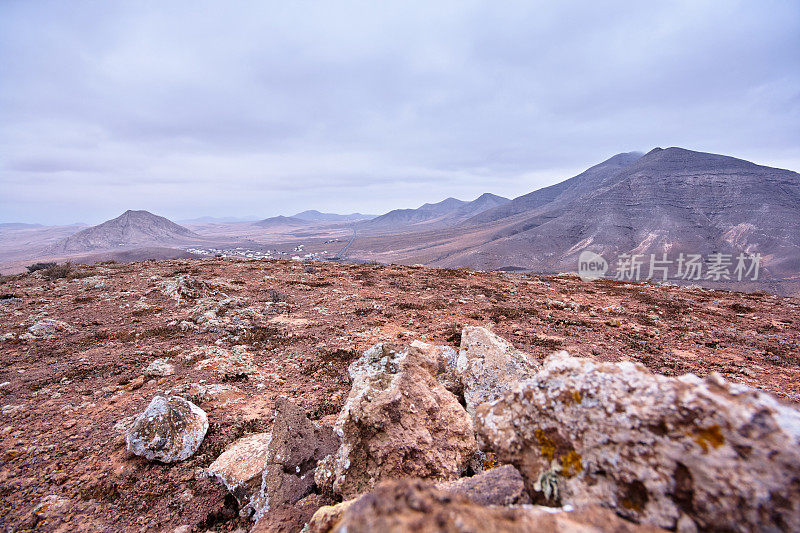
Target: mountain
x=448 y=212
x=130 y=229
x=315 y=216
x=669 y=200
x=580 y=184
x=281 y=221
x=18 y=225
x=666 y=201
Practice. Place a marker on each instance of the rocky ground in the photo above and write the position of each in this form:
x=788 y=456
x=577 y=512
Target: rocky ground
x=84 y=355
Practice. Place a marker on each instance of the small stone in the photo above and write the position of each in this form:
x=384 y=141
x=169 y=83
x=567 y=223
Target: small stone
x=503 y=485
x=47 y=328
x=170 y=429
x=159 y=368
x=135 y=383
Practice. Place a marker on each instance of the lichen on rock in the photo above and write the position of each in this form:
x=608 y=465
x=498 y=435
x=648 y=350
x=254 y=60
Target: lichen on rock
x=398 y=422
x=488 y=366
x=654 y=449
x=170 y=429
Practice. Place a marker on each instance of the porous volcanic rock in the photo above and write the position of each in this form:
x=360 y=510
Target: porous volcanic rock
x=240 y=466
x=414 y=505
x=170 y=429
x=488 y=366
x=654 y=449
x=397 y=422
x=159 y=368
x=47 y=328
x=184 y=287
x=440 y=361
x=503 y=485
x=291 y=518
x=297 y=445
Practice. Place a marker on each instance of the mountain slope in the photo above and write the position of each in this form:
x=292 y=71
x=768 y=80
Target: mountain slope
x=667 y=201
x=448 y=212
x=580 y=184
x=130 y=229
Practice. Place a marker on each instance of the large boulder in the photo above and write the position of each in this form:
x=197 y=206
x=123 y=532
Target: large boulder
x=488 y=366
x=296 y=447
x=659 y=450
x=240 y=467
x=170 y=429
x=413 y=505
x=397 y=422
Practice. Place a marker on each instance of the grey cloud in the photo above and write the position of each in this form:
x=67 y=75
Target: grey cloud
x=273 y=107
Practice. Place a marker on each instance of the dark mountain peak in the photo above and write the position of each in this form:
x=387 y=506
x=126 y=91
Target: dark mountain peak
x=143 y=220
x=281 y=220
x=131 y=228
x=489 y=196
x=313 y=215
x=624 y=158
x=447 y=203
x=675 y=158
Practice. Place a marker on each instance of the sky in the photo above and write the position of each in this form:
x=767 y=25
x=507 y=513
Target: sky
x=193 y=108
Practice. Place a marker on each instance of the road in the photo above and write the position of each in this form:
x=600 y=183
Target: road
x=343 y=251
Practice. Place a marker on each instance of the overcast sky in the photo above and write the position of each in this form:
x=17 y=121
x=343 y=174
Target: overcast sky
x=263 y=108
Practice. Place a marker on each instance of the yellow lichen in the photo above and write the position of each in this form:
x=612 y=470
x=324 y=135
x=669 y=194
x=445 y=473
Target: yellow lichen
x=546 y=446
x=710 y=437
x=571 y=464
x=490 y=461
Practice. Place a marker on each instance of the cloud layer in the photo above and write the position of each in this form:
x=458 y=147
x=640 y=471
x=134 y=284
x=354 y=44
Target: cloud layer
x=265 y=108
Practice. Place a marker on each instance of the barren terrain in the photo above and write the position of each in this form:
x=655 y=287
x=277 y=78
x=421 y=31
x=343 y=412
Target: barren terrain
x=111 y=336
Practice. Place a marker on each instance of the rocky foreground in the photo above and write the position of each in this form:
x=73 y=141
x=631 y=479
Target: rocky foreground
x=217 y=395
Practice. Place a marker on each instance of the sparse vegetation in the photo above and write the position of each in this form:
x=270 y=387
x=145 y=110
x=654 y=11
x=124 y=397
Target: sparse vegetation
x=39 y=266
x=275 y=296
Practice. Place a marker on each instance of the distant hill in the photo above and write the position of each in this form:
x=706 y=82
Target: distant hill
x=448 y=212
x=281 y=221
x=18 y=225
x=316 y=216
x=217 y=220
x=130 y=229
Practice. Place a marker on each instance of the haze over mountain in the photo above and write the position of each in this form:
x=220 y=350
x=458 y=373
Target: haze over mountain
x=313 y=215
x=448 y=212
x=217 y=220
x=130 y=229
